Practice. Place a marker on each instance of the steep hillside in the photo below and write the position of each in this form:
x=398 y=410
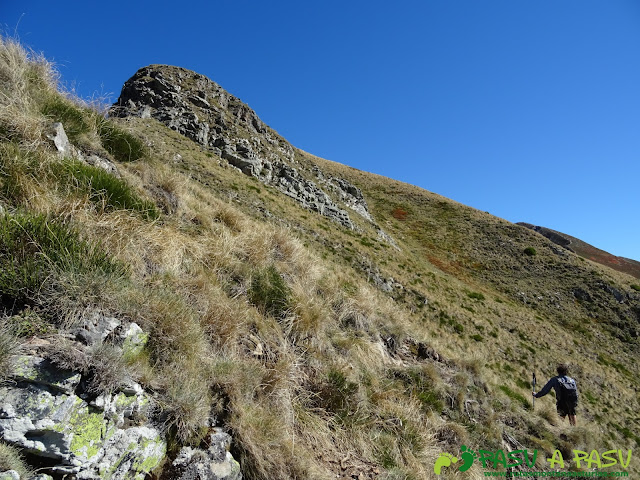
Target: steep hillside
x=192 y=283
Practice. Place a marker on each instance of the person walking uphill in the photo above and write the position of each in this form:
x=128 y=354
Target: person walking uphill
x=566 y=393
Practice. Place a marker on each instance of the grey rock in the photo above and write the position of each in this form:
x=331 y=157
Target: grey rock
x=555 y=237
x=61 y=142
x=37 y=370
x=216 y=463
x=95 y=327
x=351 y=196
x=41 y=414
x=582 y=295
x=290 y=182
x=385 y=237
x=103 y=163
x=59 y=138
x=9 y=475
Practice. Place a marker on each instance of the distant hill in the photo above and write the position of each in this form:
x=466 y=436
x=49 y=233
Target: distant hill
x=573 y=244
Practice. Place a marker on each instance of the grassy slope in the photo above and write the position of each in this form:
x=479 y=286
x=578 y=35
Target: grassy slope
x=335 y=378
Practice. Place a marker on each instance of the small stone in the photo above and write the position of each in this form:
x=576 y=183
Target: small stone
x=59 y=138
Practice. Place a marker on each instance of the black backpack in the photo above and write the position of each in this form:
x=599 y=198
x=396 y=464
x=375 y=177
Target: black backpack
x=568 y=392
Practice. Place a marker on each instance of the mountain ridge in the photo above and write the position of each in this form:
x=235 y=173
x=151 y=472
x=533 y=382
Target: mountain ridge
x=582 y=248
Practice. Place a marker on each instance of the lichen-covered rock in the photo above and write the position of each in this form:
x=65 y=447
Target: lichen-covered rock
x=216 y=463
x=41 y=414
x=34 y=369
x=134 y=339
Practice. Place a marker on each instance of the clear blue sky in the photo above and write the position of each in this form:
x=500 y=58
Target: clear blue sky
x=527 y=109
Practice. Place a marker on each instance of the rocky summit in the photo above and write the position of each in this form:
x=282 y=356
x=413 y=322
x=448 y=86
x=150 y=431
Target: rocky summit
x=201 y=110
x=185 y=295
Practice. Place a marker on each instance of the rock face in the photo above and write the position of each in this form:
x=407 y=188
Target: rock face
x=555 y=237
x=203 y=111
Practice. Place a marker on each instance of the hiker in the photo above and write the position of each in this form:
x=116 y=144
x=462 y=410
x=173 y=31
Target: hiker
x=566 y=393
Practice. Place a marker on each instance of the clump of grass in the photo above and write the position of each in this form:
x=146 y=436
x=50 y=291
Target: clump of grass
x=34 y=248
x=420 y=383
x=22 y=73
x=530 y=251
x=476 y=296
x=338 y=395
x=11 y=459
x=269 y=292
x=121 y=144
x=72 y=117
x=515 y=396
x=29 y=323
x=635 y=287
x=104 y=189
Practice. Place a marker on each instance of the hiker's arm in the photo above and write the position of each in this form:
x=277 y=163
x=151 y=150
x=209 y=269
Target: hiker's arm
x=546 y=389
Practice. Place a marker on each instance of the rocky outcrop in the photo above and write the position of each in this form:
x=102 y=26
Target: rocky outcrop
x=555 y=237
x=54 y=414
x=50 y=414
x=215 y=463
x=203 y=111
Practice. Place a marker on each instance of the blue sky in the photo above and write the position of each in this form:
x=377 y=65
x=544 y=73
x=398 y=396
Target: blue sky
x=527 y=109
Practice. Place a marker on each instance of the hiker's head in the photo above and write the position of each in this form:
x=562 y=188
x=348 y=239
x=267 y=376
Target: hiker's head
x=562 y=369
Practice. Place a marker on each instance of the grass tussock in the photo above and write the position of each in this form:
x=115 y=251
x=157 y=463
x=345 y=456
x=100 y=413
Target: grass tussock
x=35 y=250
x=102 y=188
x=12 y=459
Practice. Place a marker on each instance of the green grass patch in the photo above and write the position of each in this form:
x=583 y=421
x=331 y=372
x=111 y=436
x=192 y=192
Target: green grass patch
x=530 y=251
x=419 y=383
x=269 y=292
x=627 y=433
x=475 y=296
x=33 y=249
x=105 y=189
x=121 y=144
x=604 y=359
x=338 y=395
x=516 y=397
x=72 y=116
x=635 y=287
x=366 y=242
